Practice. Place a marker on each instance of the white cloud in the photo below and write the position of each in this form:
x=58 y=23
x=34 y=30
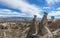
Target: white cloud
x=7 y=12
x=58 y=8
x=46 y=7
x=57 y=0
x=51 y=2
x=54 y=13
x=23 y=6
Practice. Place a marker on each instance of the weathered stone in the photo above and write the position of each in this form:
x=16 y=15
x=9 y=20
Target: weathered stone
x=43 y=23
x=33 y=28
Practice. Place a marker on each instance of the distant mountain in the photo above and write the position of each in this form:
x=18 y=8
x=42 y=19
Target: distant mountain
x=17 y=19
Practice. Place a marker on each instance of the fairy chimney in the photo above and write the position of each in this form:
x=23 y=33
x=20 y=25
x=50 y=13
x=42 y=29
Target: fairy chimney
x=43 y=23
x=35 y=25
x=34 y=19
x=44 y=19
x=35 y=22
x=32 y=29
x=52 y=19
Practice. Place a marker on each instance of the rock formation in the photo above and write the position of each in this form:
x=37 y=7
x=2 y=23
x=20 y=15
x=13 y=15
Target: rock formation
x=43 y=23
x=52 y=19
x=33 y=28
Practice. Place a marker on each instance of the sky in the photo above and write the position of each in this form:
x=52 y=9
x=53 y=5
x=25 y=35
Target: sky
x=28 y=8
